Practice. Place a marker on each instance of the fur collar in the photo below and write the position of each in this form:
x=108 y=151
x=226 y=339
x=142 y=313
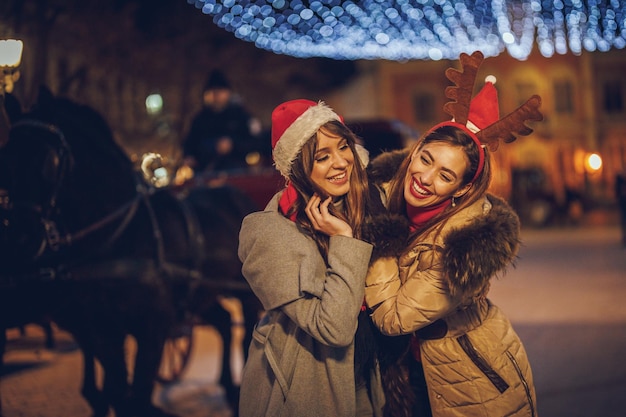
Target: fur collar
x=476 y=243
x=384 y=166
x=484 y=247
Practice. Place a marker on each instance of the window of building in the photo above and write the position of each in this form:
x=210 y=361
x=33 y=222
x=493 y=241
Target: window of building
x=564 y=97
x=524 y=90
x=424 y=106
x=613 y=97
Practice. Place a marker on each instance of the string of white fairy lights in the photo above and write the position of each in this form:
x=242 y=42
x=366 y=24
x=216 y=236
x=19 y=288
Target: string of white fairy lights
x=421 y=29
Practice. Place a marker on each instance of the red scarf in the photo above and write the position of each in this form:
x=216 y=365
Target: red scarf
x=418 y=216
x=288 y=199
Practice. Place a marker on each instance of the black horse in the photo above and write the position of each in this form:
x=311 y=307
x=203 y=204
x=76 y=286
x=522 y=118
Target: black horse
x=87 y=243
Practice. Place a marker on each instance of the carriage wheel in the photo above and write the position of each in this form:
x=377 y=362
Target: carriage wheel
x=176 y=354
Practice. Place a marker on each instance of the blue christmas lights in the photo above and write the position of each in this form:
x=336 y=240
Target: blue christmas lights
x=401 y=30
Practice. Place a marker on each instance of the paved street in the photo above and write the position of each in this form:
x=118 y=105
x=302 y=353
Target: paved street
x=567 y=301
x=46 y=383
x=566 y=298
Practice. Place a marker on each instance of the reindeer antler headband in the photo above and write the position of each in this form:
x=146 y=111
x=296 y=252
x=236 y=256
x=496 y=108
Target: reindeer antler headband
x=480 y=117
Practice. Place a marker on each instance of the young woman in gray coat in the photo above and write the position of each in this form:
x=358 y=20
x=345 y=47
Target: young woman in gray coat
x=304 y=260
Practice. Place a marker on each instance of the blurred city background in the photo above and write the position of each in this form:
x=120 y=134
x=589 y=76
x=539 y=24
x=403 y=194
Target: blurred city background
x=144 y=65
x=121 y=57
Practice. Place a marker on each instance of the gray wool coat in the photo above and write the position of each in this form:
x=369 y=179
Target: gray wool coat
x=301 y=359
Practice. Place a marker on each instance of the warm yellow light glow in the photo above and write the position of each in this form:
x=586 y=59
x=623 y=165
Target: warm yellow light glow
x=593 y=162
x=253 y=158
x=183 y=174
x=10 y=53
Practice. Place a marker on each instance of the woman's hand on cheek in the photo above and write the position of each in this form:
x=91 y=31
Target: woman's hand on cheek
x=323 y=221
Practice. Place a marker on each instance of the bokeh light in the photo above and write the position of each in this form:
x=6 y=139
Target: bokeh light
x=593 y=162
x=421 y=29
x=154 y=104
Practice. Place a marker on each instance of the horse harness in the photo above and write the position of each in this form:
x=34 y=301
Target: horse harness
x=54 y=240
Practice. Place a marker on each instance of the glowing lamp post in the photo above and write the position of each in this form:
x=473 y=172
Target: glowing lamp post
x=592 y=167
x=10 y=58
x=593 y=163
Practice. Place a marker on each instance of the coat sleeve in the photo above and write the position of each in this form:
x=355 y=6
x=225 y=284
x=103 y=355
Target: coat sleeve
x=331 y=316
x=286 y=271
x=402 y=308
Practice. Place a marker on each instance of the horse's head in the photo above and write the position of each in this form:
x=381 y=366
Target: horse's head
x=60 y=169
x=33 y=165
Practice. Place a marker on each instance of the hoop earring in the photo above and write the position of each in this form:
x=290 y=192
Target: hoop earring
x=453 y=202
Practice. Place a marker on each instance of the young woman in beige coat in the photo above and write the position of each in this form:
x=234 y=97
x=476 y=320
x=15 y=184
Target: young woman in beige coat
x=462 y=355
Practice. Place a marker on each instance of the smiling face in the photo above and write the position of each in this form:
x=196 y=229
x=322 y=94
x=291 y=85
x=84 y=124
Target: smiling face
x=333 y=164
x=435 y=174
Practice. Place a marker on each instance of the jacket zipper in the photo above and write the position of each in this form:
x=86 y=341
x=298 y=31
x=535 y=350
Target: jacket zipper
x=481 y=363
x=524 y=382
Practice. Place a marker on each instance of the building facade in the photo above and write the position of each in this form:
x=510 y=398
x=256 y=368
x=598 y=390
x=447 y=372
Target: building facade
x=584 y=107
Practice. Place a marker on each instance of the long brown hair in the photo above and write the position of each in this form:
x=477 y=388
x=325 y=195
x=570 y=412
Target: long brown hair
x=454 y=137
x=354 y=203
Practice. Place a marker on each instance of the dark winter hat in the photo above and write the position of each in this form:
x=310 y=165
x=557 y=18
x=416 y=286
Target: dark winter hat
x=216 y=79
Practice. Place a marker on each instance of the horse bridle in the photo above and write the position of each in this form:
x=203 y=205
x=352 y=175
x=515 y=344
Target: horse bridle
x=65 y=160
x=53 y=238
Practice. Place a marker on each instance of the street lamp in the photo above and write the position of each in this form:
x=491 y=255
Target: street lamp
x=592 y=166
x=10 y=58
x=593 y=163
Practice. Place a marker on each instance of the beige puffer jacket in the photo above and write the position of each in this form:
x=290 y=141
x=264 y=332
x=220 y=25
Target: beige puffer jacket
x=474 y=362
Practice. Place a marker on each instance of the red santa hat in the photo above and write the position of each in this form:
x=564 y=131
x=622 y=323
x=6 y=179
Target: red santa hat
x=484 y=108
x=293 y=124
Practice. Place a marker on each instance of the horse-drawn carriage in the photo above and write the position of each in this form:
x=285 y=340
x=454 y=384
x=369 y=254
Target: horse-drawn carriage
x=87 y=243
